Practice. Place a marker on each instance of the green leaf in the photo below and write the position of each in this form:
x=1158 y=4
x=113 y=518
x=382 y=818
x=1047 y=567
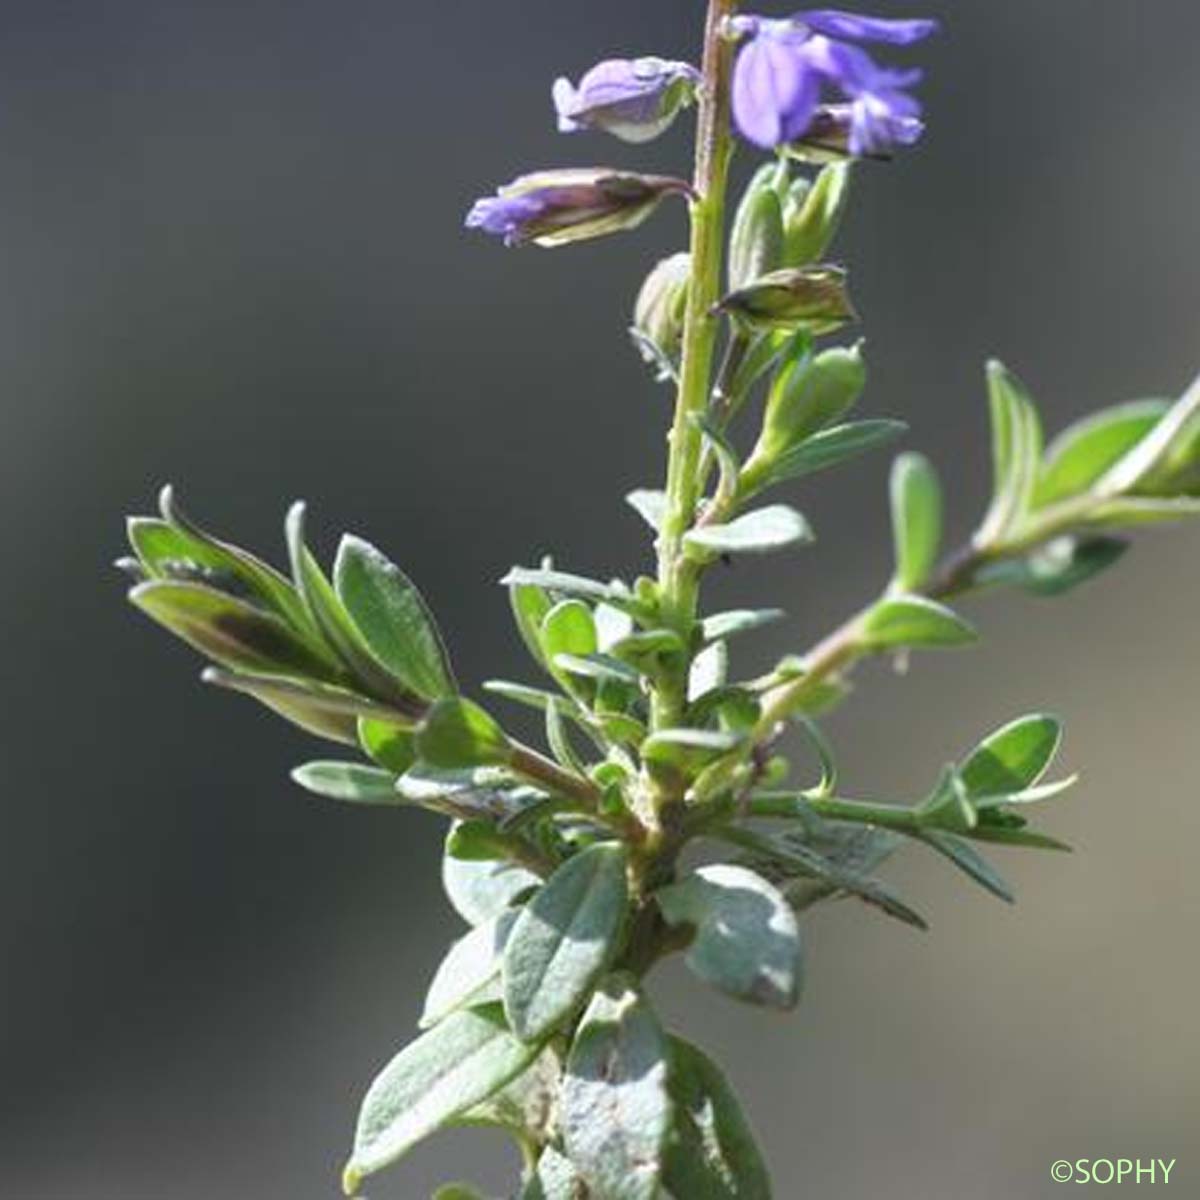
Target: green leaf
x=393 y=619
x=903 y=621
x=229 y=631
x=1080 y=455
x=1131 y=511
x=971 y=862
x=712 y=1155
x=755 y=532
x=600 y=667
x=388 y=745
x=457 y=1191
x=747 y=941
x=1016 y=454
x=564 y=939
x=469 y=792
x=480 y=891
x=319 y=708
x=555 y=1179
x=559 y=740
x=458 y=733
x=688 y=749
x=709 y=670
x=526 y=1107
x=568 y=585
x=454 y=1066
x=470 y=965
x=825 y=448
x=349 y=781
x=569 y=628
x=616 y=1110
x=949 y=806
x=1013 y=758
x=530 y=604
x=727 y=624
x=916 y=520
x=330 y=616
x=649 y=504
x=646 y=650
x=1057 y=567
x=785 y=857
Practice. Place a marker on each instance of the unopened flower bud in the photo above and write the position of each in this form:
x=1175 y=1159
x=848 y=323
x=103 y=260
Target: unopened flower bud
x=831 y=134
x=812 y=297
x=658 y=315
x=812 y=217
x=633 y=99
x=756 y=241
x=552 y=208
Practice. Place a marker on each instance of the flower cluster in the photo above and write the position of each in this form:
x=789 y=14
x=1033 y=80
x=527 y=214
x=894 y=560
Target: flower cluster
x=785 y=65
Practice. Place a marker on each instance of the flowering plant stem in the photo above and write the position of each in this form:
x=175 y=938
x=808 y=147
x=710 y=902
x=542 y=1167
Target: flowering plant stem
x=679 y=577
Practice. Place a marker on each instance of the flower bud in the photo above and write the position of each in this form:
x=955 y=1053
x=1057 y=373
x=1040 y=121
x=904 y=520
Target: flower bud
x=756 y=241
x=633 y=99
x=812 y=217
x=815 y=298
x=552 y=208
x=830 y=135
x=658 y=315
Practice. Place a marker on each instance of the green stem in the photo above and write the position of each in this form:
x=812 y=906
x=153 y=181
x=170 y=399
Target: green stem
x=678 y=577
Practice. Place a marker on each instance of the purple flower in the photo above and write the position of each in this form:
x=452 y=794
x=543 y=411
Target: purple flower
x=552 y=208
x=633 y=99
x=785 y=64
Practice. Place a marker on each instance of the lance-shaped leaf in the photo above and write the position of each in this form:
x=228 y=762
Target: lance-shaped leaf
x=689 y=750
x=564 y=584
x=454 y=1066
x=530 y=604
x=727 y=624
x=1013 y=758
x=615 y=1108
x=1083 y=452
x=916 y=519
x=712 y=1155
x=971 y=862
x=747 y=940
x=470 y=965
x=481 y=891
x=756 y=532
x=709 y=670
x=821 y=450
x=354 y=783
x=319 y=708
x=564 y=939
x=458 y=733
x=232 y=632
x=457 y=1191
x=816 y=297
x=1057 y=567
x=527 y=1107
x=393 y=618
x=900 y=621
x=1016 y=454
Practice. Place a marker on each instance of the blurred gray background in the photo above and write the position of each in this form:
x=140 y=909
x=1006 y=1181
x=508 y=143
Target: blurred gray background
x=232 y=258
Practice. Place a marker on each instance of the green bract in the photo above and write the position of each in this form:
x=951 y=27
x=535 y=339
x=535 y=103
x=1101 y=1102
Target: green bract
x=670 y=808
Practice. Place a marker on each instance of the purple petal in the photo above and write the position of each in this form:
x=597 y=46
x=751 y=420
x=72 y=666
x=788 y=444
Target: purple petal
x=773 y=87
x=834 y=23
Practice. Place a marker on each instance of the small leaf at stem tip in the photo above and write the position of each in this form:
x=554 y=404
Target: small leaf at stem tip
x=747 y=941
x=568 y=585
x=615 y=1106
x=1016 y=454
x=564 y=939
x=900 y=621
x=1055 y=568
x=916 y=499
x=458 y=733
x=568 y=628
x=393 y=618
x=756 y=532
x=1015 y=757
x=349 y=781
